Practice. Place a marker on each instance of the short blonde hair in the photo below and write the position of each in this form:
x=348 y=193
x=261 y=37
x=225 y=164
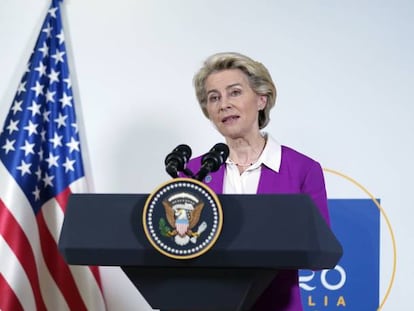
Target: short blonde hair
x=258 y=76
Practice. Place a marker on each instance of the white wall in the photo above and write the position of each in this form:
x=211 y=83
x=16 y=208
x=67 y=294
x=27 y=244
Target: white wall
x=344 y=73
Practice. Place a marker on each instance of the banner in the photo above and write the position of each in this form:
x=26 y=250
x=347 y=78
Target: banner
x=354 y=283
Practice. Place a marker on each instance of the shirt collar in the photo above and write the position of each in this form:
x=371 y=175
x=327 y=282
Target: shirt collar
x=272 y=153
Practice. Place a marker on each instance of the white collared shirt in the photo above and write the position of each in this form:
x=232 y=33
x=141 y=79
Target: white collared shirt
x=248 y=181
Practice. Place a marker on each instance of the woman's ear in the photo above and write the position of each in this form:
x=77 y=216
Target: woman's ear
x=262 y=102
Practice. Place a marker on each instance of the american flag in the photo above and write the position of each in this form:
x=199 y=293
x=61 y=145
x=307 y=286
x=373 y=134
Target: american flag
x=40 y=166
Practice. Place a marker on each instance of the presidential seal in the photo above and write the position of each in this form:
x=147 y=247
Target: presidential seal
x=183 y=218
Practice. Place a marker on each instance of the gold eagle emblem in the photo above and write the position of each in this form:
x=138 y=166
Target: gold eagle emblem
x=183 y=217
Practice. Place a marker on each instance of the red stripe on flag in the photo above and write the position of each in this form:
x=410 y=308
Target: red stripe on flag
x=16 y=239
x=95 y=272
x=62 y=198
x=8 y=299
x=58 y=267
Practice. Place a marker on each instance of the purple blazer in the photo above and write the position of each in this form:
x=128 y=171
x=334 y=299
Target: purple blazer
x=297 y=174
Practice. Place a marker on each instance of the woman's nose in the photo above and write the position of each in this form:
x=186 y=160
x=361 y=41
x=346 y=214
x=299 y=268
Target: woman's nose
x=225 y=103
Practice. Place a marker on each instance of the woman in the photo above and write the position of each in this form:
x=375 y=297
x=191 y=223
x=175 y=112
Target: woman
x=236 y=94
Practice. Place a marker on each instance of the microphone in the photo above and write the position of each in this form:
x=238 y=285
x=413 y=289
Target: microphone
x=175 y=161
x=212 y=160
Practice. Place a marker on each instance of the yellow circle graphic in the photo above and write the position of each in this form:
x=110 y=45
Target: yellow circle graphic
x=394 y=247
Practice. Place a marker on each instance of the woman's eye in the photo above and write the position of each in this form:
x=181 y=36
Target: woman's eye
x=235 y=92
x=213 y=98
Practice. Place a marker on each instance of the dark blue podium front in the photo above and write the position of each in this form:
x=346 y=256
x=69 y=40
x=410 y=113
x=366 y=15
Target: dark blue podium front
x=261 y=235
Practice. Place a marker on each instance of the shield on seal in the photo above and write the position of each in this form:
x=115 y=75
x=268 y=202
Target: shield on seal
x=181 y=224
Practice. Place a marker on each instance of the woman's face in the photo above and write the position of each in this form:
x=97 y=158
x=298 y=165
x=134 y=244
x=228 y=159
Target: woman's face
x=232 y=105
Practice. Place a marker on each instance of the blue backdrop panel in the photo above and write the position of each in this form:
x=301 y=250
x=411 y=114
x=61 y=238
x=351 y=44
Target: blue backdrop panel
x=354 y=283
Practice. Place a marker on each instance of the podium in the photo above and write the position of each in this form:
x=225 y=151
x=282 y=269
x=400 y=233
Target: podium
x=261 y=235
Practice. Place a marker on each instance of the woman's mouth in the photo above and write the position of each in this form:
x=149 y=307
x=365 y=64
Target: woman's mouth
x=229 y=119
